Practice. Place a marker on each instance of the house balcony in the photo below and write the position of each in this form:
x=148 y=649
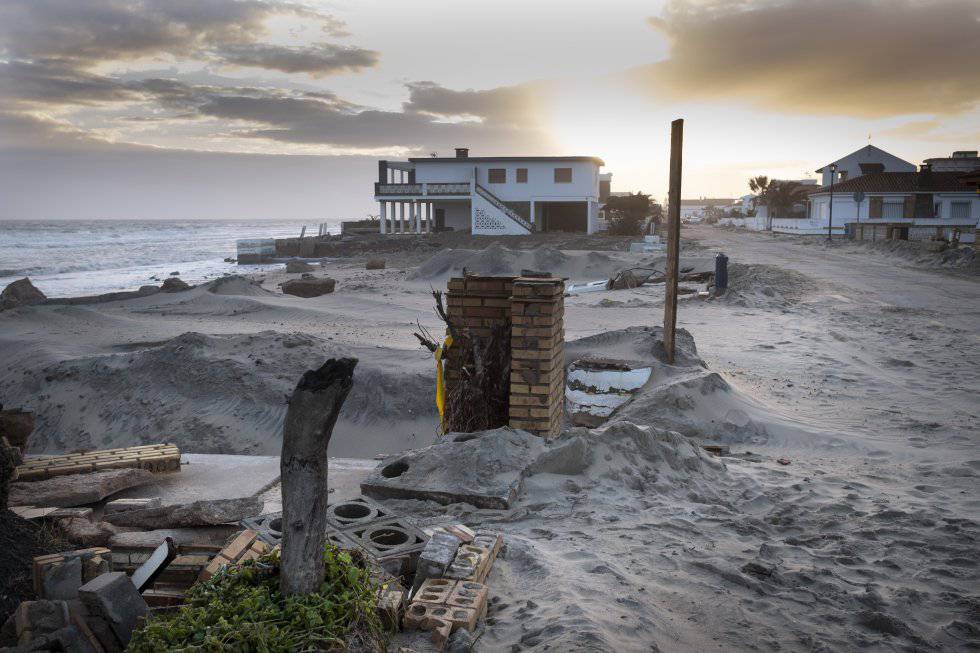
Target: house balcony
x=424 y=189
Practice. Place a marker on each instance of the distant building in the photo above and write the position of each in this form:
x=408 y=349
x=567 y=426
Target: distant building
x=868 y=160
x=491 y=195
x=919 y=203
x=695 y=210
x=960 y=161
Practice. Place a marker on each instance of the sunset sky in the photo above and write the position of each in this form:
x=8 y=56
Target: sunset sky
x=220 y=108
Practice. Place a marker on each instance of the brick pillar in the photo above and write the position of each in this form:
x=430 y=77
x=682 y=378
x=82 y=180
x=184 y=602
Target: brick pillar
x=537 y=377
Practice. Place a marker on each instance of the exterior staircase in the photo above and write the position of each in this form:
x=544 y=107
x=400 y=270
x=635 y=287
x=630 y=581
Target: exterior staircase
x=518 y=223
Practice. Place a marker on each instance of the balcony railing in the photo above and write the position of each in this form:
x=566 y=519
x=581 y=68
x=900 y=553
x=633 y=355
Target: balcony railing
x=423 y=189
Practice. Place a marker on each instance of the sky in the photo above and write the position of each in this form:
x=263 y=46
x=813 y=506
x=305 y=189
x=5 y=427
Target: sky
x=280 y=109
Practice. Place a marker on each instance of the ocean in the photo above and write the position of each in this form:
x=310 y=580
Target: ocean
x=67 y=258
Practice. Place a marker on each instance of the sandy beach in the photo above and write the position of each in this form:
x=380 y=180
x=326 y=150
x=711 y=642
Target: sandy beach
x=857 y=366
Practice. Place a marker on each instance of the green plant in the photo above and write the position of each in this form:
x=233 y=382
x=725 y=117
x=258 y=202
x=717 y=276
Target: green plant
x=241 y=609
x=627 y=213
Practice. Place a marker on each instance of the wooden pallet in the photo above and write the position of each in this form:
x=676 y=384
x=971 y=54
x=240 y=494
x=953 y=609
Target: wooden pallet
x=153 y=457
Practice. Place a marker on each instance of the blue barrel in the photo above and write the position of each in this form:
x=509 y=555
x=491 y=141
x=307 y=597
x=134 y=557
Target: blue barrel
x=721 y=272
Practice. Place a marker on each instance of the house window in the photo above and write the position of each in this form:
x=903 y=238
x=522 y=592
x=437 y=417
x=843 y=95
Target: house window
x=894 y=210
x=563 y=175
x=959 y=210
x=522 y=175
x=842 y=176
x=875 y=208
x=497 y=175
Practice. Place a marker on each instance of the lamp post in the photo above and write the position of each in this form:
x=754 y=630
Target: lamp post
x=830 y=221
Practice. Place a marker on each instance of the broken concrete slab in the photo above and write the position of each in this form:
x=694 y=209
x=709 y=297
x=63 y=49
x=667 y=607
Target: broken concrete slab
x=77 y=489
x=114 y=598
x=213 y=535
x=210 y=476
x=198 y=513
x=485 y=469
x=124 y=505
x=87 y=533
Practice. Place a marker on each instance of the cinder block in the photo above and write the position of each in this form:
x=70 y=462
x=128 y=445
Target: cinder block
x=114 y=598
x=436 y=557
x=434 y=590
x=469 y=594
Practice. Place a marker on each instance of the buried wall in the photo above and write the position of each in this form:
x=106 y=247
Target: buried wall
x=528 y=313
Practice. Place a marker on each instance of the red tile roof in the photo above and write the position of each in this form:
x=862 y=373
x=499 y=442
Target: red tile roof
x=902 y=182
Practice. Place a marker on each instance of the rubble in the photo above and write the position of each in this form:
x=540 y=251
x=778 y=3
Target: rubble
x=312 y=287
x=77 y=489
x=85 y=532
x=198 y=513
x=597 y=387
x=246 y=546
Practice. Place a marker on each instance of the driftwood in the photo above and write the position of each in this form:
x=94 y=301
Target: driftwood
x=312 y=414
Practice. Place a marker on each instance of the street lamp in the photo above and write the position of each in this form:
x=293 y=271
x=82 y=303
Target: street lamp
x=830 y=221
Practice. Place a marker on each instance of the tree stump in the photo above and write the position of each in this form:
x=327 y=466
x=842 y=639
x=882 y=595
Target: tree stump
x=312 y=414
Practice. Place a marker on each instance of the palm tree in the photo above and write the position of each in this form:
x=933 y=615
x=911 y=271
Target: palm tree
x=781 y=196
x=759 y=185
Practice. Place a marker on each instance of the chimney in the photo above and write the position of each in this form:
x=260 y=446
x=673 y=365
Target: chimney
x=462 y=152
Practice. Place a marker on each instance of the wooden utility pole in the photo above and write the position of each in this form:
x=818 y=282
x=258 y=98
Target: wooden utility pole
x=313 y=409
x=673 y=236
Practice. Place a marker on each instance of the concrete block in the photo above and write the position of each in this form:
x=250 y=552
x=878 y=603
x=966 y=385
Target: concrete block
x=436 y=557
x=435 y=590
x=420 y=616
x=469 y=594
x=60 y=581
x=114 y=598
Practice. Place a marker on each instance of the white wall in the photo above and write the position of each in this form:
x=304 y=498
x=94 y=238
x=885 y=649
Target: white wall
x=540 y=178
x=457 y=214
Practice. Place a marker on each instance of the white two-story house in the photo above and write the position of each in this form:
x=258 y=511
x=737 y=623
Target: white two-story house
x=503 y=195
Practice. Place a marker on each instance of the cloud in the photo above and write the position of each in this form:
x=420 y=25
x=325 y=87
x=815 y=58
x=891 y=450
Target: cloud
x=318 y=60
x=52 y=82
x=322 y=118
x=867 y=58
x=512 y=105
x=81 y=35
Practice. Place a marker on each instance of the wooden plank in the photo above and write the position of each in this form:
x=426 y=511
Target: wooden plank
x=673 y=236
